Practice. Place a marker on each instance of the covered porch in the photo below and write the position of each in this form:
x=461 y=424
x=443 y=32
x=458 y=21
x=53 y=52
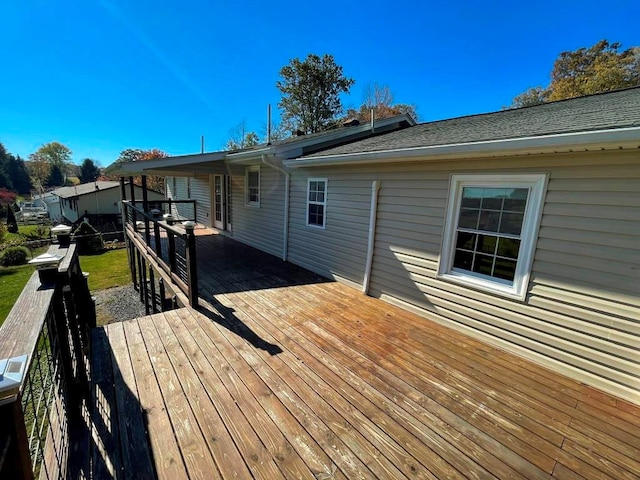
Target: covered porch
x=280 y=373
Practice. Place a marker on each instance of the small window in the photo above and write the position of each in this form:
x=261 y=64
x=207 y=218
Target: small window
x=316 y=202
x=491 y=230
x=252 y=185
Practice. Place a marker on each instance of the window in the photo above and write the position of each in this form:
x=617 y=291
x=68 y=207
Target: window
x=252 y=185
x=316 y=202
x=490 y=232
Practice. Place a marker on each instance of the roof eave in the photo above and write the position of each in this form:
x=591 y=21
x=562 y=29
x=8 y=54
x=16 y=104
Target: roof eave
x=592 y=140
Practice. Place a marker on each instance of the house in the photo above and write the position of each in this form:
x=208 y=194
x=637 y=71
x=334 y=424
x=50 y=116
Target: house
x=520 y=228
x=94 y=198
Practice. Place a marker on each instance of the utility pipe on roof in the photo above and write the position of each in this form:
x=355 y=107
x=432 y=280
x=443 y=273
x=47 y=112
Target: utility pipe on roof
x=287 y=181
x=373 y=213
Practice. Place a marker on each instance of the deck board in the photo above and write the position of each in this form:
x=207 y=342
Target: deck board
x=282 y=374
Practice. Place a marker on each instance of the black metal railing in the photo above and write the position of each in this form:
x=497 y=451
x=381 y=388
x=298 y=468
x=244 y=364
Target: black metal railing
x=44 y=370
x=172 y=247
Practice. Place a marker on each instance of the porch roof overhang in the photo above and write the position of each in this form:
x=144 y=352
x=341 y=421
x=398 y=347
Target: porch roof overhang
x=622 y=138
x=184 y=164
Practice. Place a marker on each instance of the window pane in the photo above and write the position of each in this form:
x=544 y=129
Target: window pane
x=463 y=260
x=517 y=200
x=313 y=186
x=508 y=247
x=313 y=196
x=487 y=244
x=492 y=198
x=468 y=218
x=321 y=186
x=253 y=179
x=511 y=223
x=505 y=269
x=489 y=220
x=471 y=197
x=483 y=264
x=466 y=241
x=320 y=197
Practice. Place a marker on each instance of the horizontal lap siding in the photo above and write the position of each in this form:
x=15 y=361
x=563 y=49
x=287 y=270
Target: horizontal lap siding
x=338 y=250
x=201 y=193
x=582 y=312
x=260 y=227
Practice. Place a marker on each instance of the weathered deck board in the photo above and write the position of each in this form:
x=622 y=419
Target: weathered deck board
x=282 y=374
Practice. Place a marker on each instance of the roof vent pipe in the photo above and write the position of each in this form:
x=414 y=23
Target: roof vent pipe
x=373 y=119
x=269 y=125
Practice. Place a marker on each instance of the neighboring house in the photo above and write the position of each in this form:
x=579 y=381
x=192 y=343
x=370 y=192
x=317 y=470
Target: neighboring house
x=52 y=203
x=520 y=228
x=94 y=198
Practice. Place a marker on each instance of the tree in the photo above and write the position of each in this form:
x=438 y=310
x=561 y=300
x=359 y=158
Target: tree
x=39 y=168
x=240 y=138
x=89 y=171
x=7 y=198
x=56 y=154
x=380 y=99
x=154 y=182
x=17 y=171
x=586 y=71
x=311 y=92
x=56 y=177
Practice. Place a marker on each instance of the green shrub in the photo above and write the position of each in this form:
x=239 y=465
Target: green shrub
x=14 y=256
x=12 y=224
x=3 y=232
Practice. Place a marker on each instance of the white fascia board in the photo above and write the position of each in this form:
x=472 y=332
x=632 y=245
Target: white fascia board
x=599 y=139
x=160 y=163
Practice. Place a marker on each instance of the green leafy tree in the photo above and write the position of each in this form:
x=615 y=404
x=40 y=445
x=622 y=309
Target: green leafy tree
x=311 y=92
x=585 y=71
x=56 y=154
x=89 y=171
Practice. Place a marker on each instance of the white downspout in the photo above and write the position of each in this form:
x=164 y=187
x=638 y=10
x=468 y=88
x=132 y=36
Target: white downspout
x=287 y=181
x=375 y=189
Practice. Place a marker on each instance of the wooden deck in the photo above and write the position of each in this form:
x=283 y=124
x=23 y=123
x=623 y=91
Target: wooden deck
x=284 y=375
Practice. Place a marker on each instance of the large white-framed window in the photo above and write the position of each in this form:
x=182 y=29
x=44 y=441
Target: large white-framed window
x=316 y=202
x=252 y=186
x=490 y=231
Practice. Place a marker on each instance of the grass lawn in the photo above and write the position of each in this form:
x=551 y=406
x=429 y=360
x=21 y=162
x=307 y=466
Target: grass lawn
x=23 y=231
x=12 y=281
x=109 y=269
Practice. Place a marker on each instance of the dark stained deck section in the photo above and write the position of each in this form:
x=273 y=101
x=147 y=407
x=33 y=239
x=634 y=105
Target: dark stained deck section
x=283 y=374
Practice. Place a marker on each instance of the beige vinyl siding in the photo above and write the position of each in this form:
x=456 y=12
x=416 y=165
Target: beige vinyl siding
x=201 y=193
x=261 y=227
x=180 y=193
x=581 y=315
x=338 y=250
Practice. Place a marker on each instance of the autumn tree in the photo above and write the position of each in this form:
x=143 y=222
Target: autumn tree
x=240 y=137
x=379 y=98
x=7 y=198
x=311 y=92
x=154 y=182
x=89 y=171
x=39 y=168
x=586 y=71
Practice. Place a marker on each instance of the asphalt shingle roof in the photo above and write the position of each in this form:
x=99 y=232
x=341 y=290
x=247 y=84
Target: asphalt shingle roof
x=613 y=110
x=83 y=189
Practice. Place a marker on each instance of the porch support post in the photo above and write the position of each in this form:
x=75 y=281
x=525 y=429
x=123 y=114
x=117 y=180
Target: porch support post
x=145 y=194
x=192 y=267
x=123 y=190
x=132 y=189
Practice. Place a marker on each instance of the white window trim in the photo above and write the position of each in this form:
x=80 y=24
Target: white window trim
x=517 y=290
x=324 y=216
x=253 y=168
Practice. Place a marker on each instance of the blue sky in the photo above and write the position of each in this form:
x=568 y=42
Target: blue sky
x=101 y=76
